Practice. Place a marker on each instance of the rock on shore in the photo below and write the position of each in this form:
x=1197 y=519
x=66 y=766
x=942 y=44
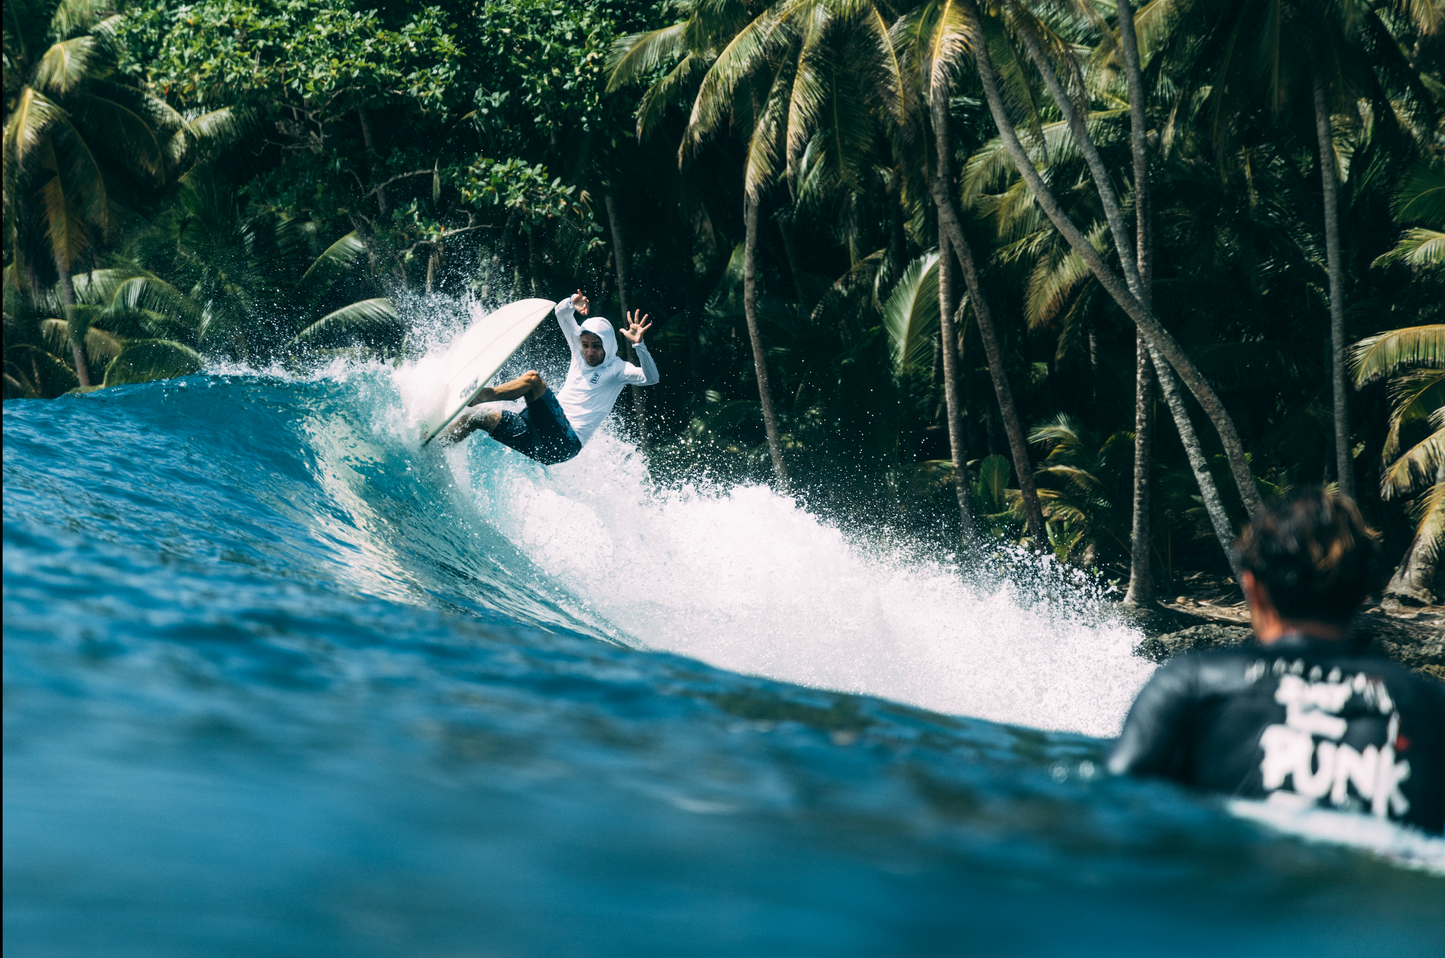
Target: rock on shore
x=1417 y=643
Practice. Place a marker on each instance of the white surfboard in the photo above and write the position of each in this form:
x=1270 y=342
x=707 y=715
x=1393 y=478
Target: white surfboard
x=471 y=361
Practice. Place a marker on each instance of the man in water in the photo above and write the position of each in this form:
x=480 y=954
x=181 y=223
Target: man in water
x=552 y=428
x=1300 y=715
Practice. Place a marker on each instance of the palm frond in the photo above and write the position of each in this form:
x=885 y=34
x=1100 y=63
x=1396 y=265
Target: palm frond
x=1421 y=195
x=891 y=88
x=1055 y=276
x=947 y=45
x=747 y=53
x=1393 y=351
x=332 y=263
x=1419 y=247
x=131 y=138
x=1430 y=533
x=1154 y=23
x=1414 y=398
x=765 y=144
x=144 y=360
x=810 y=86
x=66 y=64
x=993 y=474
x=911 y=315
x=64 y=221
x=148 y=293
x=635 y=56
x=830 y=119
x=670 y=89
x=221 y=128
x=99 y=344
x=1415 y=469
x=73 y=16
x=1061 y=430
x=31 y=121
x=46 y=369
x=361 y=318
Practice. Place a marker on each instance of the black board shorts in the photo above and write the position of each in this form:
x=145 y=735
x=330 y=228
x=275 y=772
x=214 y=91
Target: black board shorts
x=540 y=432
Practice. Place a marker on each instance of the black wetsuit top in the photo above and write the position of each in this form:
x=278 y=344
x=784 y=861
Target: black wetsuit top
x=1300 y=721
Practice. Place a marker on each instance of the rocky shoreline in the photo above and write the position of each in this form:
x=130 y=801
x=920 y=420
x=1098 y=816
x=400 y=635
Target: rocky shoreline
x=1413 y=637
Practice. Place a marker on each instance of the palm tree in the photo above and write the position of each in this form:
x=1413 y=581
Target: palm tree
x=1413 y=361
x=1160 y=340
x=1312 y=59
x=1071 y=136
x=71 y=128
x=940 y=44
x=743 y=79
x=1162 y=344
x=1140 y=590
x=1082 y=471
x=252 y=284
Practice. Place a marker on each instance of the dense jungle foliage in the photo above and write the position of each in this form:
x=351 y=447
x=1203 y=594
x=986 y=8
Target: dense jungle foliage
x=901 y=257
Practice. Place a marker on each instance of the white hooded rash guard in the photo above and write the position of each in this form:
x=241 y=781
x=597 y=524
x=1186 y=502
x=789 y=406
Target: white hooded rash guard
x=589 y=392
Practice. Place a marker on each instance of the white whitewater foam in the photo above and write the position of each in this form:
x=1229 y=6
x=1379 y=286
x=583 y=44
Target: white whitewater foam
x=745 y=579
x=1392 y=842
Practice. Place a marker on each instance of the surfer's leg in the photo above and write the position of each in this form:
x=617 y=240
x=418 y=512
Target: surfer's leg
x=529 y=384
x=487 y=419
x=556 y=440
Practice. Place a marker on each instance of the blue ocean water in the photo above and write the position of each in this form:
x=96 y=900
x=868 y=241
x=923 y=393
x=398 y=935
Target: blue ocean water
x=280 y=682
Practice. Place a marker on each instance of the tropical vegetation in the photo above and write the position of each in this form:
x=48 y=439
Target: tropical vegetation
x=1092 y=277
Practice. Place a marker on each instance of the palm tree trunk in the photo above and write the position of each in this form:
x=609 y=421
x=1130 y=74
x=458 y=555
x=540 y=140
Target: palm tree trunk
x=1415 y=575
x=948 y=350
x=1344 y=462
x=1161 y=342
x=897 y=241
x=1139 y=147
x=750 y=308
x=1141 y=581
x=790 y=250
x=1413 y=578
x=1208 y=491
x=373 y=161
x=620 y=260
x=75 y=334
x=950 y=231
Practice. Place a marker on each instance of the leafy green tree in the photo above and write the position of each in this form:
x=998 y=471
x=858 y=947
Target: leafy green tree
x=74 y=131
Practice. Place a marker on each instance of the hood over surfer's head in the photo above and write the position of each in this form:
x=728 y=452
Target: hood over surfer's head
x=603 y=330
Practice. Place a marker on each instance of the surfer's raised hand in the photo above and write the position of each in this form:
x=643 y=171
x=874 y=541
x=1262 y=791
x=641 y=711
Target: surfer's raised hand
x=579 y=302
x=636 y=327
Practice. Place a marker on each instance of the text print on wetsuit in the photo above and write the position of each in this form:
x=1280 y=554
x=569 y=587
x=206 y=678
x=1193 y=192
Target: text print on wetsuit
x=1306 y=750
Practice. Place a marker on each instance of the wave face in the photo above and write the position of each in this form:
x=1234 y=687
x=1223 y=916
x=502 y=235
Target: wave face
x=279 y=681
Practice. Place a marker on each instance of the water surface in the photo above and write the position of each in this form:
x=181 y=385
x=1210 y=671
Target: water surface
x=278 y=682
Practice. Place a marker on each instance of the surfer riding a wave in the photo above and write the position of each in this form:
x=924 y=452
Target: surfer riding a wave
x=554 y=428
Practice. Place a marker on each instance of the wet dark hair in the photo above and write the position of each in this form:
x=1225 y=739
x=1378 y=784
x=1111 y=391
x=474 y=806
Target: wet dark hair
x=1313 y=553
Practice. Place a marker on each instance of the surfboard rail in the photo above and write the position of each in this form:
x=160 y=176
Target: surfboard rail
x=474 y=358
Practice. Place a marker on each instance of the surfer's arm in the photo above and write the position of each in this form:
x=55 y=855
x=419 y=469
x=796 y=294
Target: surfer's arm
x=646 y=373
x=1155 y=740
x=567 y=318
